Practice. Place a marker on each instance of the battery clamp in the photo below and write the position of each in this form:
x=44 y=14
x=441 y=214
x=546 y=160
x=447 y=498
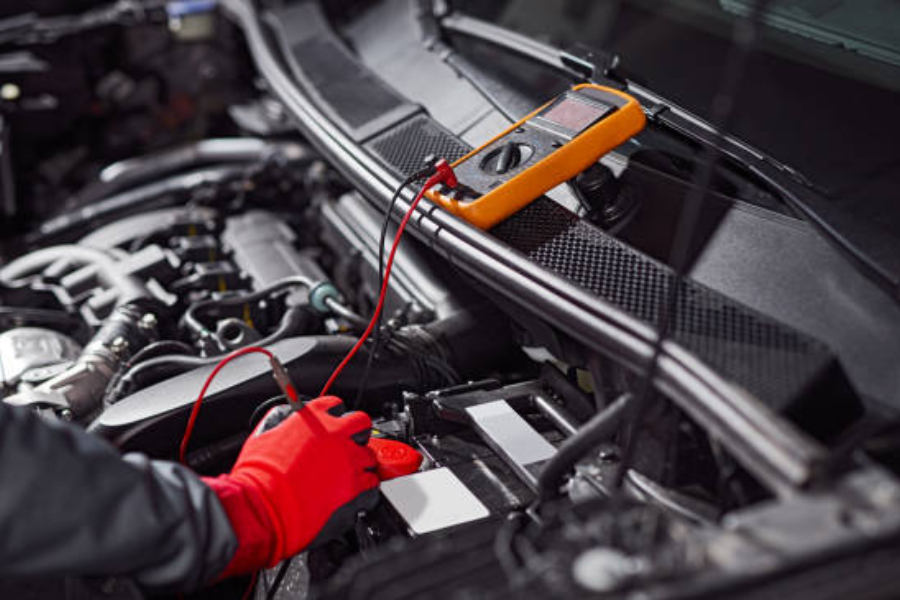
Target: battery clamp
x=551 y=145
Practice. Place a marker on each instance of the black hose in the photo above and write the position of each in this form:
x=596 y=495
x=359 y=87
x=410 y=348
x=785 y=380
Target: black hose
x=600 y=428
x=154 y=369
x=154 y=349
x=160 y=348
x=260 y=411
x=190 y=318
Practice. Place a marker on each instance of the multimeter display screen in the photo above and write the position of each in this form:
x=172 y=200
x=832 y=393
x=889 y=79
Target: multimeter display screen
x=574 y=115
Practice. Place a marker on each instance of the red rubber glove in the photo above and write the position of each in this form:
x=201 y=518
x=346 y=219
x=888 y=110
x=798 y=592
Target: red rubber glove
x=300 y=475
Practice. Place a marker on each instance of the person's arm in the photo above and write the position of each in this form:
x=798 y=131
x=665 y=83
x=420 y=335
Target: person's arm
x=70 y=505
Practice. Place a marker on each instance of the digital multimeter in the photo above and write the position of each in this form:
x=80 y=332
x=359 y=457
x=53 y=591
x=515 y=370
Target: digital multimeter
x=551 y=145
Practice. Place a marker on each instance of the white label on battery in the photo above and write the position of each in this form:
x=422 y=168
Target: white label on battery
x=511 y=432
x=433 y=500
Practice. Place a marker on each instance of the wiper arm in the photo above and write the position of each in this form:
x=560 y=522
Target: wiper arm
x=872 y=252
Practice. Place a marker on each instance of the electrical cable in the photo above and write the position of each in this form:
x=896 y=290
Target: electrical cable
x=380 y=304
x=382 y=238
x=443 y=174
x=279 y=579
x=288 y=390
x=503 y=545
x=250 y=587
x=195 y=410
x=744 y=38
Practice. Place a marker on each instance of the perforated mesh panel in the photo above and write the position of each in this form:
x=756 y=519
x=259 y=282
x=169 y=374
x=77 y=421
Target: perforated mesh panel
x=770 y=360
x=405 y=147
x=765 y=357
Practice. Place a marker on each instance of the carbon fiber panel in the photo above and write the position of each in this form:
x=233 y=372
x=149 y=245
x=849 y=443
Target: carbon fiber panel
x=768 y=359
x=405 y=147
x=787 y=370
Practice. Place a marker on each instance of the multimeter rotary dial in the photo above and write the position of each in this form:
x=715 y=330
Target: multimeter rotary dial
x=509 y=156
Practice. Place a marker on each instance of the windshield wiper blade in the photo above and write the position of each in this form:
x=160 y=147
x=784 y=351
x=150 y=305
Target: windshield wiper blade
x=874 y=253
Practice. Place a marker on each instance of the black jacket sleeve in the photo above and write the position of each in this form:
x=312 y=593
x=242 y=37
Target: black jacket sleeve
x=71 y=505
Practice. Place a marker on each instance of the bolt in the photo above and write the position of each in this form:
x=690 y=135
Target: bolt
x=66 y=414
x=10 y=91
x=608 y=453
x=602 y=570
x=148 y=322
x=119 y=346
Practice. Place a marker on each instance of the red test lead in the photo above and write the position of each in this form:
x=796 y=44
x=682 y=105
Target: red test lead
x=443 y=174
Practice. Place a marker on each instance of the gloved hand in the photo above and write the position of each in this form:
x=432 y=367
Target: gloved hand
x=300 y=476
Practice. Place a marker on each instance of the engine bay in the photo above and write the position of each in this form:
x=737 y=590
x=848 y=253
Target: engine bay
x=162 y=208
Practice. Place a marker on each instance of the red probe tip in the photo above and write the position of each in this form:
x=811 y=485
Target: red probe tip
x=284 y=380
x=445 y=173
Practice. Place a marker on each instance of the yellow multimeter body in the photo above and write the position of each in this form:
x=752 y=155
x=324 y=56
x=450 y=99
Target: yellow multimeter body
x=551 y=145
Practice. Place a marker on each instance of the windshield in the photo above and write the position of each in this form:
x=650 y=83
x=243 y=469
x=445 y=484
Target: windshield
x=820 y=94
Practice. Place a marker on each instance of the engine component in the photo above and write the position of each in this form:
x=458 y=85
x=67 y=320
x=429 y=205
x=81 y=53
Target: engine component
x=176 y=186
x=212 y=341
x=167 y=366
x=177 y=222
x=98 y=280
x=235 y=333
x=262 y=246
x=78 y=391
x=204 y=152
x=395 y=459
x=151 y=419
x=34 y=354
